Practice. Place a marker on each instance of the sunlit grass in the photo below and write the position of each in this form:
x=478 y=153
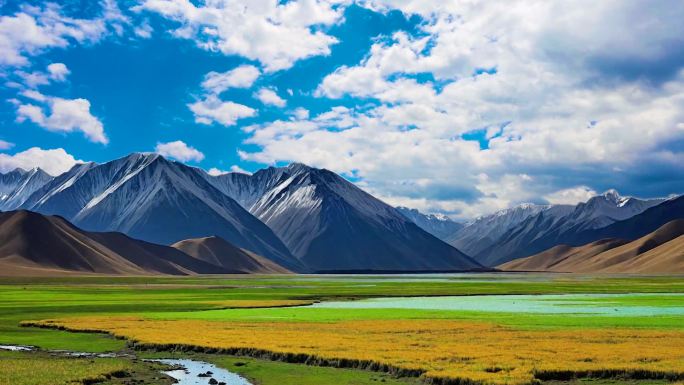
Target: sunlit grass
x=17 y=368
x=483 y=352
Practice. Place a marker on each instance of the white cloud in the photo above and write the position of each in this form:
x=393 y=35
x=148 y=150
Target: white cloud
x=241 y=77
x=274 y=33
x=33 y=79
x=55 y=72
x=54 y=162
x=598 y=111
x=301 y=113
x=34 y=29
x=65 y=115
x=216 y=172
x=180 y=151
x=144 y=30
x=270 y=97
x=5 y=145
x=58 y=71
x=211 y=109
x=570 y=196
x=236 y=168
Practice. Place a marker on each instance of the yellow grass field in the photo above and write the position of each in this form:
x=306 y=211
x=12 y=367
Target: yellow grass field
x=458 y=351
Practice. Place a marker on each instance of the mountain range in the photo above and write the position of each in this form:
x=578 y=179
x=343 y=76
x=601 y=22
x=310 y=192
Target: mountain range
x=306 y=219
x=529 y=229
x=302 y=218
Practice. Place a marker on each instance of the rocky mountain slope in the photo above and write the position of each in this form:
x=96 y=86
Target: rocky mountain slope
x=332 y=225
x=148 y=197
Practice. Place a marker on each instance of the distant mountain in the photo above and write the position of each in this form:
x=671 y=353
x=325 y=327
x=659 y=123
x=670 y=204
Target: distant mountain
x=219 y=252
x=486 y=230
x=555 y=225
x=438 y=225
x=661 y=251
x=18 y=185
x=148 y=197
x=332 y=225
x=34 y=244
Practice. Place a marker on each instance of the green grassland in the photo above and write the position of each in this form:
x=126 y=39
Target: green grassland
x=205 y=298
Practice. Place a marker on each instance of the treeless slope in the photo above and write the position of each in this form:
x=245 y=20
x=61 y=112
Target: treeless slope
x=219 y=252
x=658 y=252
x=34 y=244
x=561 y=258
x=31 y=241
x=661 y=251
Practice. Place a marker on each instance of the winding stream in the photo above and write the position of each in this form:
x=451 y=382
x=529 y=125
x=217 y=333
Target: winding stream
x=185 y=372
x=201 y=373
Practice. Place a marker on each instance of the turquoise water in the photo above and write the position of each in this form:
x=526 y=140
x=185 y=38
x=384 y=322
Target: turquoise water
x=592 y=304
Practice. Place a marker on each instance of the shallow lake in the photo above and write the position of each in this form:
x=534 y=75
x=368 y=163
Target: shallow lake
x=591 y=304
x=189 y=375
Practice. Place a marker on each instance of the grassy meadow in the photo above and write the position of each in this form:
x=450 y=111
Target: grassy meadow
x=239 y=319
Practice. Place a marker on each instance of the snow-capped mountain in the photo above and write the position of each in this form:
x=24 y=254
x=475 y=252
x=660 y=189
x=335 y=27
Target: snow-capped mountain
x=148 y=197
x=559 y=224
x=438 y=225
x=17 y=186
x=485 y=230
x=332 y=225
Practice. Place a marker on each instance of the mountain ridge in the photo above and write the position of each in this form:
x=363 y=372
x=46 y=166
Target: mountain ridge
x=332 y=225
x=151 y=198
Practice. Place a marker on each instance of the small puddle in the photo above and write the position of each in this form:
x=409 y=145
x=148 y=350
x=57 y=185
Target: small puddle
x=201 y=373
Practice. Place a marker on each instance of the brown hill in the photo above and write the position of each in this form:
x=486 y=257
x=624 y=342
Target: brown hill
x=659 y=252
x=35 y=244
x=219 y=252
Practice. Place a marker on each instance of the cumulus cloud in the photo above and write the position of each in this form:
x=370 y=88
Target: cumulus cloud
x=491 y=102
x=570 y=196
x=276 y=34
x=34 y=29
x=54 y=161
x=55 y=72
x=301 y=113
x=270 y=97
x=212 y=109
x=234 y=168
x=180 y=151
x=62 y=115
x=216 y=172
x=241 y=77
x=58 y=71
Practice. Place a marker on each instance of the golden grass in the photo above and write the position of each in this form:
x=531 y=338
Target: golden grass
x=28 y=369
x=457 y=350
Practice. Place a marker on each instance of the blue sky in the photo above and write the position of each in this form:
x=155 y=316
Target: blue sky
x=446 y=106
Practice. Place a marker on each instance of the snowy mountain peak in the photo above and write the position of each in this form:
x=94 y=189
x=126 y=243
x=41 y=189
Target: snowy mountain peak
x=299 y=167
x=18 y=185
x=613 y=196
